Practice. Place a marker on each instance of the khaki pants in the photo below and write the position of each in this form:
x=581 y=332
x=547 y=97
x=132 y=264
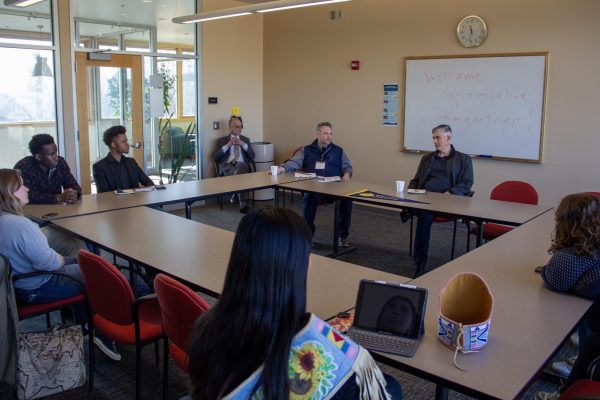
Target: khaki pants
x=63 y=243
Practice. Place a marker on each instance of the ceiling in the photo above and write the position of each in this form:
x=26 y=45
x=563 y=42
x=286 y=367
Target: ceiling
x=112 y=17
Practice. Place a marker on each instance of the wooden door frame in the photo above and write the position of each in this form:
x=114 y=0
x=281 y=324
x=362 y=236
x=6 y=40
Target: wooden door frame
x=134 y=62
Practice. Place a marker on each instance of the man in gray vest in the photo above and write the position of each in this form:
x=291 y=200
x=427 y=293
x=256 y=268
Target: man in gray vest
x=324 y=158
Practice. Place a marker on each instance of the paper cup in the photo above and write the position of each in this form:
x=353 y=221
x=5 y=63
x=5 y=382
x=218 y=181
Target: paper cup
x=399 y=186
x=274 y=169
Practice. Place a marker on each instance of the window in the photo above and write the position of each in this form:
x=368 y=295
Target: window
x=27 y=86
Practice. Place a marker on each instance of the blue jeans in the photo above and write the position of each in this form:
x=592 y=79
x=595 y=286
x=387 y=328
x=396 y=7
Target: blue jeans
x=311 y=201
x=422 y=235
x=58 y=287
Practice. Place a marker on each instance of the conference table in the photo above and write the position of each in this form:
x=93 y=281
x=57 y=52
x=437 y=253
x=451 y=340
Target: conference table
x=474 y=209
x=529 y=322
x=198 y=254
x=187 y=192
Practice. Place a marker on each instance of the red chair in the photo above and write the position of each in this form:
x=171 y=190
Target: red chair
x=514 y=191
x=180 y=307
x=584 y=388
x=117 y=313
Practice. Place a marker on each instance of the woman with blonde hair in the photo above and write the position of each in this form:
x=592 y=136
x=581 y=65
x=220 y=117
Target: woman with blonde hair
x=27 y=249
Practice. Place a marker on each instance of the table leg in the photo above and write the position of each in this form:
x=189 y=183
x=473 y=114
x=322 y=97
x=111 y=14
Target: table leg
x=441 y=392
x=336 y=227
x=132 y=271
x=188 y=210
x=479 y=233
x=276 y=197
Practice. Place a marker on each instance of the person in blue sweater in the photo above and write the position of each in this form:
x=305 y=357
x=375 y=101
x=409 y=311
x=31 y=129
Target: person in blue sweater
x=26 y=247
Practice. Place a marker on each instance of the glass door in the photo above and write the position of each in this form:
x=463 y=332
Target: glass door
x=109 y=92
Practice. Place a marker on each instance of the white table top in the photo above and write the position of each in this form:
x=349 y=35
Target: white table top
x=174 y=193
x=474 y=208
x=199 y=254
x=529 y=322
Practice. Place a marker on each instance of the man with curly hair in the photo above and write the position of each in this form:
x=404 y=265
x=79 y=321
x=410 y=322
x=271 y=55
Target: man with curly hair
x=49 y=180
x=46 y=174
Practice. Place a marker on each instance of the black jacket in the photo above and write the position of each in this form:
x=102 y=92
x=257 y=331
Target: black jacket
x=460 y=172
x=106 y=174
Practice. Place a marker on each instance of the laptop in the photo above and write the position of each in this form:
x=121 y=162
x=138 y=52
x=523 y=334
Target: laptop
x=389 y=317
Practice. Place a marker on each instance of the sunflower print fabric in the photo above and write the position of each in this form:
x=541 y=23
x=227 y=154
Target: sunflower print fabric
x=311 y=370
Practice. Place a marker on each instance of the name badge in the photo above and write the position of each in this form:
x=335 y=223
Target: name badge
x=320 y=165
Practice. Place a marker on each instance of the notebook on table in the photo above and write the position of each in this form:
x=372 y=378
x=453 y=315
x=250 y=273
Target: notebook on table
x=389 y=317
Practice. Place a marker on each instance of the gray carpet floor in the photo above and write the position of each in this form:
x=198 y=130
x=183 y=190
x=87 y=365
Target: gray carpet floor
x=382 y=242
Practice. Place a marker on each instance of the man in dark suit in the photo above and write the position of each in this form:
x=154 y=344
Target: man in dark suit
x=115 y=171
x=234 y=155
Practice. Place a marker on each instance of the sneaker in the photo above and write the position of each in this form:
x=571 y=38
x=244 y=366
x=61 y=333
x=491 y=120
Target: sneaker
x=234 y=198
x=343 y=242
x=563 y=368
x=405 y=216
x=547 y=395
x=574 y=339
x=107 y=346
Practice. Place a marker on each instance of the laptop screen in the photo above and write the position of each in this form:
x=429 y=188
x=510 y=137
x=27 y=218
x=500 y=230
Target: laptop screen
x=390 y=308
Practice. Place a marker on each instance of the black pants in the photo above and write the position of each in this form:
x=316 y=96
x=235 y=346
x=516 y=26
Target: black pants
x=309 y=211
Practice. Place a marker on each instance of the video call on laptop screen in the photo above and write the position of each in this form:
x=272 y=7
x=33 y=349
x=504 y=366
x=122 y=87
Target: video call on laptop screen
x=390 y=308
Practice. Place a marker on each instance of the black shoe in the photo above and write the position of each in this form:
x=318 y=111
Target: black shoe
x=405 y=216
x=245 y=209
x=419 y=269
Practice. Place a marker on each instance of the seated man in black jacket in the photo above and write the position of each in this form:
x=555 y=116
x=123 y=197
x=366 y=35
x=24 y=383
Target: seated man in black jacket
x=443 y=171
x=116 y=171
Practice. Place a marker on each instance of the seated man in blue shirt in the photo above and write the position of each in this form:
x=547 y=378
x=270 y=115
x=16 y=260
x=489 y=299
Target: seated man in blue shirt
x=325 y=159
x=115 y=171
x=443 y=171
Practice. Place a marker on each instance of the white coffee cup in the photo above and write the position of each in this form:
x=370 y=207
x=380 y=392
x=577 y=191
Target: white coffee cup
x=399 y=186
x=274 y=169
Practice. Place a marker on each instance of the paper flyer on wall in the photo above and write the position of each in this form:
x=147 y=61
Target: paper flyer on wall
x=390 y=104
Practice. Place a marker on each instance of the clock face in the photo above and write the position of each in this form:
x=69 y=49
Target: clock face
x=471 y=31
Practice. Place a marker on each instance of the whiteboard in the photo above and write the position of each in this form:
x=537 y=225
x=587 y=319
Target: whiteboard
x=494 y=104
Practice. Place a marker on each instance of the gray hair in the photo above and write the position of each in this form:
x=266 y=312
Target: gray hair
x=446 y=130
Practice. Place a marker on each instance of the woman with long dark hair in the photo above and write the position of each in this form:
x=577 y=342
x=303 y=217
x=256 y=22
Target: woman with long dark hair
x=259 y=342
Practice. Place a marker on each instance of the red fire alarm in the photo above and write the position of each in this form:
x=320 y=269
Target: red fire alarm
x=355 y=65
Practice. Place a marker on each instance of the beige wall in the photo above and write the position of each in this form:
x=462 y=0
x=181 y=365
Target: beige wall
x=307 y=78
x=233 y=72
